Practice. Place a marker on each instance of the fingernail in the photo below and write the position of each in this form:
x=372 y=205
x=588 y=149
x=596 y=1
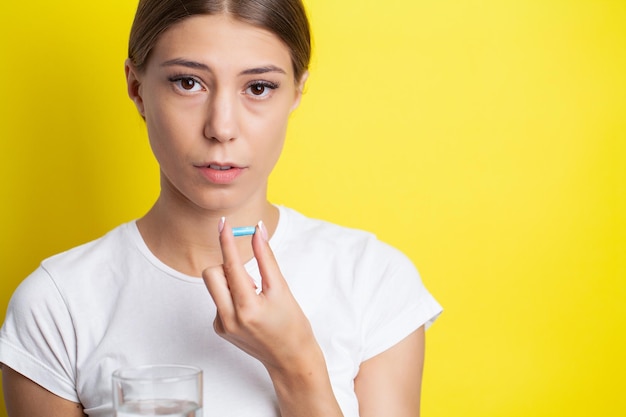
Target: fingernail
x=263 y=230
x=220 y=225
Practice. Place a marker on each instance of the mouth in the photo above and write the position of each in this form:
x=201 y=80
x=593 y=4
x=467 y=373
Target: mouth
x=221 y=173
x=220 y=167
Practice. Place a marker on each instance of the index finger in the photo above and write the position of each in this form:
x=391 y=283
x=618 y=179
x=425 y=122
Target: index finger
x=240 y=283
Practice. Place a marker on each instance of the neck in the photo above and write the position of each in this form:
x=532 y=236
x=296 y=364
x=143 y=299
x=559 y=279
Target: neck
x=186 y=238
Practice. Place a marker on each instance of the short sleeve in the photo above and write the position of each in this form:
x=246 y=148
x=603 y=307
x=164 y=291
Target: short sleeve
x=393 y=298
x=37 y=338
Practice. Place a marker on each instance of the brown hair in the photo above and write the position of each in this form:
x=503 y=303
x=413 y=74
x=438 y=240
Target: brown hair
x=285 y=18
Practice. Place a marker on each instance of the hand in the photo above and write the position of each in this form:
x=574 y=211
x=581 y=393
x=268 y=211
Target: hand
x=270 y=325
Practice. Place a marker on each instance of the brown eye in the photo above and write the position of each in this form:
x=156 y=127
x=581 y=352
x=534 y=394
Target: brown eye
x=187 y=83
x=257 y=89
x=261 y=89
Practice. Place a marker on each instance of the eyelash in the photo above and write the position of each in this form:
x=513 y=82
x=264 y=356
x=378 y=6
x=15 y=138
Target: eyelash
x=176 y=79
x=264 y=84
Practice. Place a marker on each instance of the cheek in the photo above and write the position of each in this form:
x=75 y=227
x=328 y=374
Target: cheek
x=165 y=140
x=166 y=125
x=274 y=149
x=163 y=118
x=270 y=134
x=269 y=124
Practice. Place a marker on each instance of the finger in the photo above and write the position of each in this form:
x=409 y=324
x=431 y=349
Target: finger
x=271 y=277
x=240 y=283
x=216 y=283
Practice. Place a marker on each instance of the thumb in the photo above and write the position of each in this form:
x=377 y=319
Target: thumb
x=268 y=266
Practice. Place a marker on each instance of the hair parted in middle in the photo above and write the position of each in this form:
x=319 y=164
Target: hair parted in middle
x=286 y=19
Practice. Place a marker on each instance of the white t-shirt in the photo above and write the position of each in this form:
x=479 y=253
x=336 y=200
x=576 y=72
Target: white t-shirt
x=111 y=303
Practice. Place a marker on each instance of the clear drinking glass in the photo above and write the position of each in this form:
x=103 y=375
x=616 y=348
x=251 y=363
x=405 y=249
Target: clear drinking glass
x=158 y=390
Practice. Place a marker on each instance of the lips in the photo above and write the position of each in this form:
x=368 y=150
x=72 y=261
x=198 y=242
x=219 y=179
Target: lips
x=220 y=167
x=221 y=173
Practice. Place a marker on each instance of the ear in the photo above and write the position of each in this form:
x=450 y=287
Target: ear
x=299 y=90
x=133 y=86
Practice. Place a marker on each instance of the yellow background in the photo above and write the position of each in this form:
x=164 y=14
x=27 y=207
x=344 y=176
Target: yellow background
x=486 y=139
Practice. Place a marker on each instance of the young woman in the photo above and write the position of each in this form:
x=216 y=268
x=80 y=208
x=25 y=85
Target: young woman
x=304 y=318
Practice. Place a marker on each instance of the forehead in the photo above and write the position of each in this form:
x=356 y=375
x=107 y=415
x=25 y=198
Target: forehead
x=220 y=40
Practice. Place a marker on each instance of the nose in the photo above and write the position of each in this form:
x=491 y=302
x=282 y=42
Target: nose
x=223 y=119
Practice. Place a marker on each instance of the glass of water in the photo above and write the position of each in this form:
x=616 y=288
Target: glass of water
x=158 y=390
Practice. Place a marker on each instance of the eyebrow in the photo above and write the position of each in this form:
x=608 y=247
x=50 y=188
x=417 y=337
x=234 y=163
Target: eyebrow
x=200 y=66
x=263 y=70
x=185 y=63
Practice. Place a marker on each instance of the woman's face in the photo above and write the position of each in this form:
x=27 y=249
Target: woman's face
x=216 y=95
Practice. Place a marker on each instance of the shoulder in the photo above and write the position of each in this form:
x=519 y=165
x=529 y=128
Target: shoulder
x=68 y=275
x=357 y=252
x=108 y=247
x=73 y=280
x=352 y=271
x=53 y=312
x=296 y=227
